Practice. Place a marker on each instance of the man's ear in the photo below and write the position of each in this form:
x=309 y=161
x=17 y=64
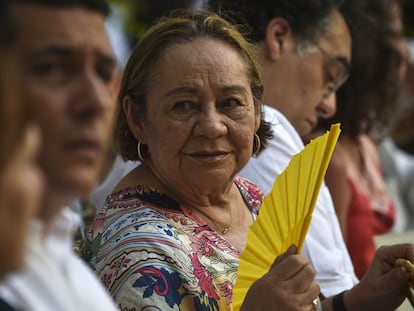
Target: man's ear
x=278 y=32
x=134 y=122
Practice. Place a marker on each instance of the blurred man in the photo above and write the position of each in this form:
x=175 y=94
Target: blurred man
x=67 y=76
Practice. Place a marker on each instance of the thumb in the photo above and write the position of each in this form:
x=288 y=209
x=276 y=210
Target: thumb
x=290 y=251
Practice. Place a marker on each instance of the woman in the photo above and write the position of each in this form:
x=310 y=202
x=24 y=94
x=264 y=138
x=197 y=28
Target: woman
x=20 y=178
x=365 y=106
x=171 y=233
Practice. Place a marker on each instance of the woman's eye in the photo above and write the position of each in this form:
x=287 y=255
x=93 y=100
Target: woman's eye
x=183 y=106
x=234 y=108
x=231 y=103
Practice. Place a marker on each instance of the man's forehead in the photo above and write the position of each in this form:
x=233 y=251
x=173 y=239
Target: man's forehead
x=337 y=42
x=39 y=26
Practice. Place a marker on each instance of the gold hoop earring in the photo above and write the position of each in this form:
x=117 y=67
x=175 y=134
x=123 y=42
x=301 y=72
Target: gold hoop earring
x=256 y=145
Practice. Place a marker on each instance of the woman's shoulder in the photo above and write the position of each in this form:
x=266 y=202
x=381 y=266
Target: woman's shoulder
x=133 y=209
x=251 y=193
x=132 y=218
x=138 y=196
x=370 y=148
x=341 y=155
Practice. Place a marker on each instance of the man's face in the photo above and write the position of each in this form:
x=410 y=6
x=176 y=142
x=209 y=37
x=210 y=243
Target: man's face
x=68 y=75
x=305 y=90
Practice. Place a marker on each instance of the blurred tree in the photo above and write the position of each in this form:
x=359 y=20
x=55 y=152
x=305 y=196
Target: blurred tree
x=142 y=14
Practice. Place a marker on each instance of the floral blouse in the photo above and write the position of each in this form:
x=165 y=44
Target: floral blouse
x=153 y=254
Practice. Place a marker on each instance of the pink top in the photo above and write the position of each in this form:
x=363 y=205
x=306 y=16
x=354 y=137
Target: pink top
x=364 y=222
x=371 y=209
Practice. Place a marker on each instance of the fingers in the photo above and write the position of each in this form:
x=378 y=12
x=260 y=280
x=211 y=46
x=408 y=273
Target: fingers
x=289 y=285
x=382 y=284
x=387 y=255
x=408 y=265
x=294 y=275
x=291 y=266
x=387 y=260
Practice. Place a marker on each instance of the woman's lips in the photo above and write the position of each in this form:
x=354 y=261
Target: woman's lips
x=209 y=157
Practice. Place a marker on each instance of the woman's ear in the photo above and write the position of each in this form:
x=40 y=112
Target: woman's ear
x=278 y=31
x=134 y=122
x=258 y=115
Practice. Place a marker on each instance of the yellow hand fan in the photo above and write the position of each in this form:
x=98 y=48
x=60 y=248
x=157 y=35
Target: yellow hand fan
x=286 y=212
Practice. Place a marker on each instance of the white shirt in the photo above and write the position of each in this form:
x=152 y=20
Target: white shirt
x=119 y=170
x=398 y=169
x=54 y=278
x=324 y=244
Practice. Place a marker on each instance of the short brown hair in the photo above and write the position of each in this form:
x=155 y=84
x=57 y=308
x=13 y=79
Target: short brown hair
x=180 y=27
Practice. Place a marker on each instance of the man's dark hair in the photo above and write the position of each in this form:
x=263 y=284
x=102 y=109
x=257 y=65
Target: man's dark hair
x=306 y=17
x=7 y=30
x=100 y=6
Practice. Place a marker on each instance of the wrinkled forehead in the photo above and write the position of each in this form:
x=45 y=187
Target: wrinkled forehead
x=40 y=26
x=199 y=59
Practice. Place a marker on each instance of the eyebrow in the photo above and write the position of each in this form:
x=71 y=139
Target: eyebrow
x=64 y=51
x=237 y=88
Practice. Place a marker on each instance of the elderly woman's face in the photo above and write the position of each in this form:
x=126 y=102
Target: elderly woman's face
x=201 y=116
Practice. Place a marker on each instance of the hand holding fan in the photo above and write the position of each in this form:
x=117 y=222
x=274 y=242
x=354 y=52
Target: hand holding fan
x=286 y=212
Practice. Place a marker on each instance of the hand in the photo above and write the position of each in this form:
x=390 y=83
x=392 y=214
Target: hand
x=289 y=285
x=381 y=287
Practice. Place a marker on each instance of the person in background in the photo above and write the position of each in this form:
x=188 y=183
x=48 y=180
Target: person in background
x=366 y=104
x=304 y=50
x=403 y=129
x=67 y=72
x=170 y=234
x=297 y=53
x=397 y=163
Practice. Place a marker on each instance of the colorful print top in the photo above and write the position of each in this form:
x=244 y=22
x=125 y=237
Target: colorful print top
x=153 y=254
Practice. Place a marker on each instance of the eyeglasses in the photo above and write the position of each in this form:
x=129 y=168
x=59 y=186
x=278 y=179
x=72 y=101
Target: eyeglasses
x=336 y=71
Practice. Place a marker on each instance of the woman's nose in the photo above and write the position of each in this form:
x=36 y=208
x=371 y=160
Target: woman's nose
x=210 y=124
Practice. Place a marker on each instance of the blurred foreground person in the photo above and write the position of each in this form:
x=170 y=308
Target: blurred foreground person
x=21 y=182
x=20 y=178
x=67 y=74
